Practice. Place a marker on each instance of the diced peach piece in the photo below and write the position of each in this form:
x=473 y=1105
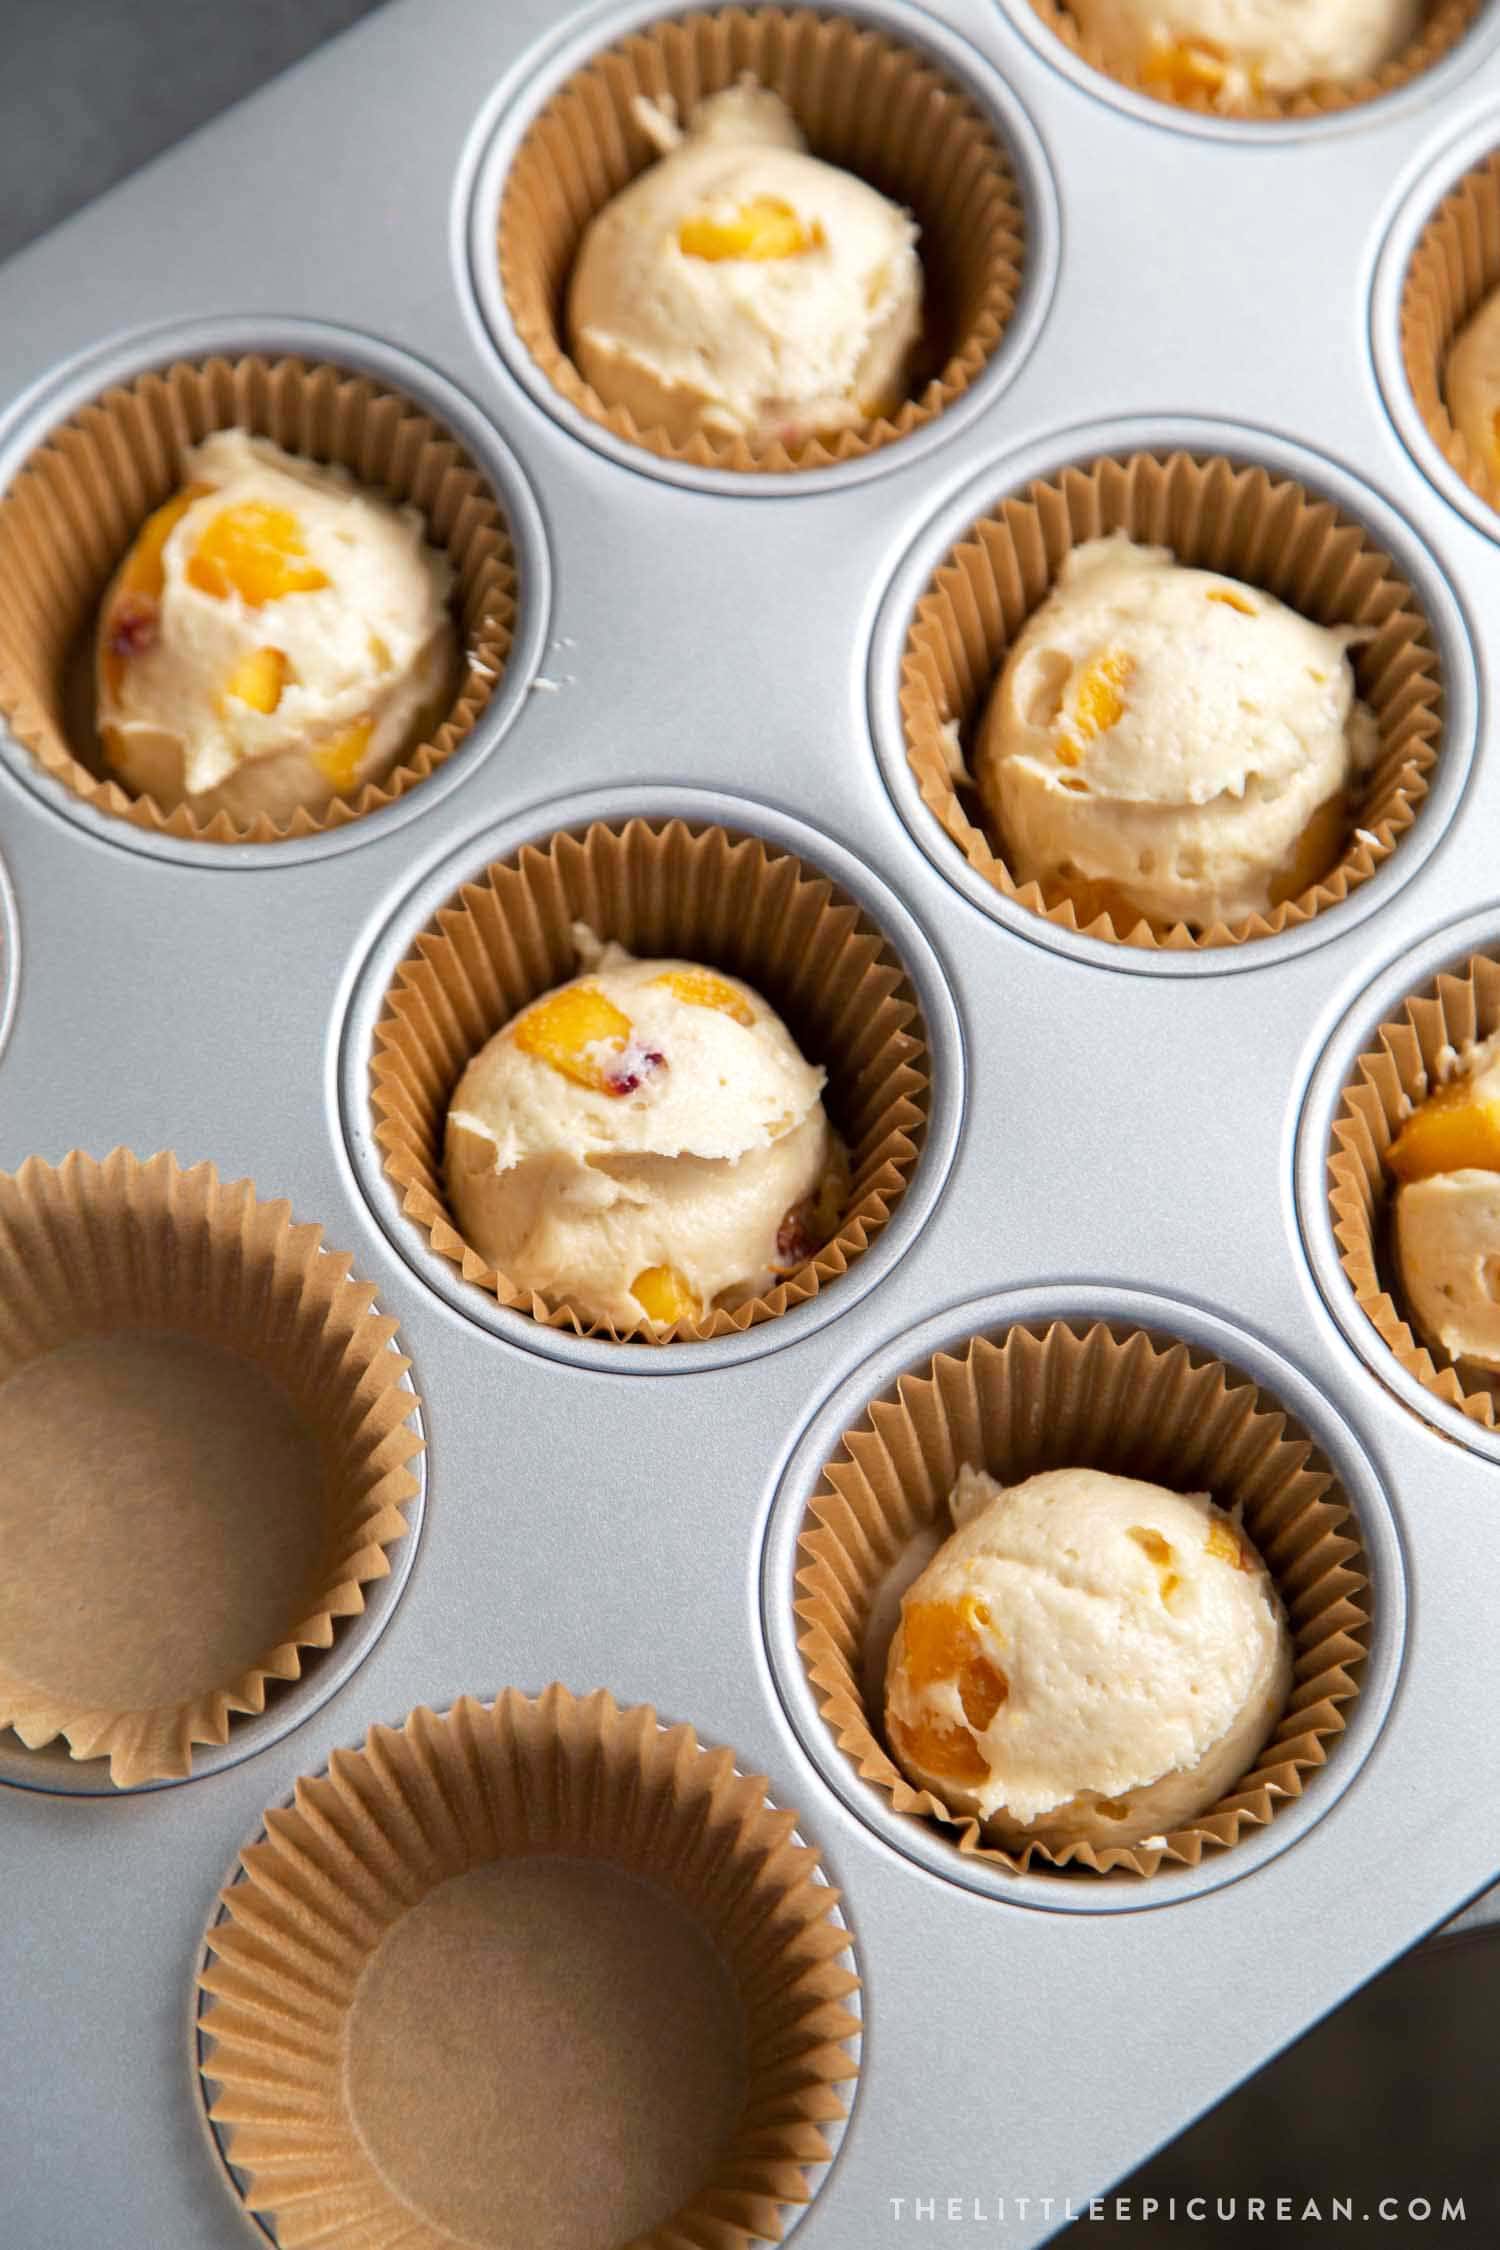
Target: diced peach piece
x=256 y=552
x=942 y=1643
x=1318 y=849
x=138 y=585
x=700 y=988
x=762 y=229
x=580 y=1032
x=1180 y=70
x=258 y=680
x=939 y=1747
x=1455 y=1130
x=1225 y=1543
x=1098 y=703
x=1161 y=1553
x=339 y=757
x=1231 y=601
x=664 y=1296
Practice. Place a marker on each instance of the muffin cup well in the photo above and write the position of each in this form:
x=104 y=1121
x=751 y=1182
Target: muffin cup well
x=1243 y=521
x=1408 y=1056
x=1444 y=24
x=77 y=504
x=1071 y=1394
x=1453 y=268
x=207 y=1435
x=867 y=103
x=315 y=1964
x=659 y=888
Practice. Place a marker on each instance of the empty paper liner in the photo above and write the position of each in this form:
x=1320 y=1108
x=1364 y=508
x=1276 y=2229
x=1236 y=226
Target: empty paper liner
x=1244 y=522
x=659 y=1951
x=1444 y=23
x=659 y=889
x=1404 y=1062
x=866 y=103
x=204 y=1448
x=79 y=501
x=1090 y=1395
x=1453 y=268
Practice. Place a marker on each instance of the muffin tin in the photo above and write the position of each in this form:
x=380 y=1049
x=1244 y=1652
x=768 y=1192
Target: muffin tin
x=1113 y=1133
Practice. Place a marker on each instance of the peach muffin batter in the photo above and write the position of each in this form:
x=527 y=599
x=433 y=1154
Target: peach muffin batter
x=1169 y=743
x=643 y=1143
x=274 y=638
x=1446 y=1162
x=742 y=287
x=1086 y=1659
x=1230 y=52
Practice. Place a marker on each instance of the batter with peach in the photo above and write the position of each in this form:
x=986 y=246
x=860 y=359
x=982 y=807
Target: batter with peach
x=1227 y=53
x=1446 y=1164
x=742 y=287
x=643 y=1143
x=274 y=638
x=1171 y=744
x=1088 y=1658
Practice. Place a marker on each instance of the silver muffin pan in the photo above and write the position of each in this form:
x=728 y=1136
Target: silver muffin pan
x=1109 y=1129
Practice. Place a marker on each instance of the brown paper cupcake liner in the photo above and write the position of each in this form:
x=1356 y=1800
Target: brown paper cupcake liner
x=867 y=103
x=1244 y=522
x=1444 y=24
x=1455 y=265
x=1404 y=1062
x=206 y=1439
x=76 y=506
x=521 y=1823
x=1092 y=1395
x=674 y=889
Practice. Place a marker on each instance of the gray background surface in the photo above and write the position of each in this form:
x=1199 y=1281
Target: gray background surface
x=1392 y=2094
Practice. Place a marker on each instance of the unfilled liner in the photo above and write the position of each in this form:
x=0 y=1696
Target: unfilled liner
x=580 y=1869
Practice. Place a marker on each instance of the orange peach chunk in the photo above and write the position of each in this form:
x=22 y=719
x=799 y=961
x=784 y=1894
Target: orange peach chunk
x=339 y=757
x=1160 y=1552
x=700 y=988
x=258 y=679
x=937 y=1747
x=1455 y=1130
x=138 y=585
x=664 y=1296
x=255 y=551
x=579 y=1031
x=762 y=229
x=1230 y=601
x=1180 y=70
x=1098 y=703
x=1225 y=1543
x=942 y=1643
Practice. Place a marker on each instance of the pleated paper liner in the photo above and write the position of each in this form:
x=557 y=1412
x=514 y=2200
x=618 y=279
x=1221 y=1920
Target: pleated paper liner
x=660 y=889
x=865 y=102
x=661 y=1953
x=1444 y=23
x=1410 y=1055
x=1101 y=1396
x=204 y=1450
x=1263 y=529
x=1455 y=265
x=76 y=506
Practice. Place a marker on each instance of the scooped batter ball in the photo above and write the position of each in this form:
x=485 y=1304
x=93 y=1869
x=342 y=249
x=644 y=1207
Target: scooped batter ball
x=1087 y=1659
x=1168 y=743
x=275 y=638
x=744 y=288
x=1231 y=52
x=643 y=1143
